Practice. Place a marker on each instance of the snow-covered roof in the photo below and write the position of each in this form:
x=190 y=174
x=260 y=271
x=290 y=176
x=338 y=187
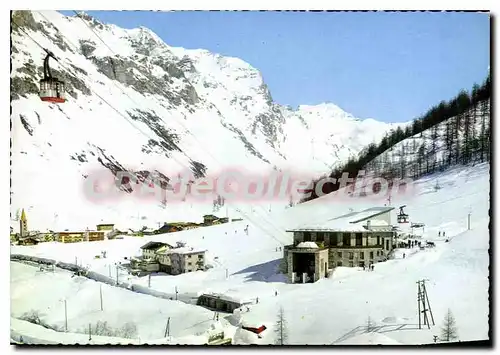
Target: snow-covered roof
x=347 y=222
x=378 y=223
x=226 y=297
x=310 y=245
x=154 y=245
x=185 y=250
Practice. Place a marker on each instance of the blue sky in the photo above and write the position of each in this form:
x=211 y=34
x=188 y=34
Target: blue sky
x=387 y=66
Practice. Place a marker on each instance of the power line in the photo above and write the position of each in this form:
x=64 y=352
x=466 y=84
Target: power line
x=187 y=130
x=205 y=150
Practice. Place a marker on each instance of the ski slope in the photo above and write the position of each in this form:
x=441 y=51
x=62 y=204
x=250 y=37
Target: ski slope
x=323 y=312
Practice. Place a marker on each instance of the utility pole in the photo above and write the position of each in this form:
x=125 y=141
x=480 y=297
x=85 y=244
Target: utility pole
x=167 y=328
x=149 y=280
x=109 y=269
x=176 y=293
x=227 y=273
x=76 y=261
x=428 y=303
x=90 y=332
x=100 y=295
x=468 y=221
x=423 y=305
x=65 y=316
x=117 y=274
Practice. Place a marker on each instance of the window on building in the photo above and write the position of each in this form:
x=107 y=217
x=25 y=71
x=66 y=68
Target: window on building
x=351 y=264
x=339 y=263
x=361 y=254
x=351 y=255
x=361 y=264
x=387 y=244
x=307 y=237
x=200 y=256
x=339 y=254
x=320 y=237
x=371 y=255
x=378 y=240
x=332 y=239
x=189 y=264
x=359 y=239
x=346 y=239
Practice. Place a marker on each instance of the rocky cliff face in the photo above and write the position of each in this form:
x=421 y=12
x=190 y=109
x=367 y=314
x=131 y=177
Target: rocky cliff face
x=136 y=104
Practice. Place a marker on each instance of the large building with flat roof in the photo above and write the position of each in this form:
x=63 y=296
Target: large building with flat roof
x=357 y=238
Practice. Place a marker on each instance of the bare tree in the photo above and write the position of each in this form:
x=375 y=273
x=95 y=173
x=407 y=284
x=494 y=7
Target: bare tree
x=449 y=330
x=281 y=328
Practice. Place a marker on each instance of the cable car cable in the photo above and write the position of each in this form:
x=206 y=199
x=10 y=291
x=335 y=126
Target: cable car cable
x=121 y=114
x=204 y=148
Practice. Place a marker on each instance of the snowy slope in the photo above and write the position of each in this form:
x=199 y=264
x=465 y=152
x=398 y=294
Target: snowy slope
x=324 y=312
x=137 y=104
x=120 y=307
x=412 y=153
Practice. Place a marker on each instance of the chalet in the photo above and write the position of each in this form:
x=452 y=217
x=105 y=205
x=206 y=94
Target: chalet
x=70 y=237
x=28 y=241
x=221 y=302
x=353 y=239
x=209 y=219
x=140 y=264
x=163 y=229
x=150 y=249
x=76 y=237
x=159 y=256
x=190 y=225
x=93 y=236
x=186 y=259
x=43 y=236
x=107 y=227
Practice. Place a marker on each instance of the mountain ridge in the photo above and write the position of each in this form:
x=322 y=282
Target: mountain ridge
x=194 y=108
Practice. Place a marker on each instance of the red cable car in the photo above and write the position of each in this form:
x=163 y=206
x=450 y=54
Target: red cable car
x=51 y=89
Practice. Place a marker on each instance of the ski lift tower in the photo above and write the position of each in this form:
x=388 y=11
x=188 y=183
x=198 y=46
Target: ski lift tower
x=402 y=216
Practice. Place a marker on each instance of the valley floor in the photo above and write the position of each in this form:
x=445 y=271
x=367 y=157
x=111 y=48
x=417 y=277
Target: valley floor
x=321 y=313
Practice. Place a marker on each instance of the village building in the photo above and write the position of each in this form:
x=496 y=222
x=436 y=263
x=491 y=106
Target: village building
x=159 y=256
x=176 y=227
x=221 y=302
x=107 y=228
x=354 y=239
x=79 y=236
x=186 y=260
x=150 y=249
x=148 y=261
x=23 y=225
x=28 y=241
x=209 y=219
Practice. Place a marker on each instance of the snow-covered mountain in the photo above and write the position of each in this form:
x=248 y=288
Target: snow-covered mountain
x=136 y=104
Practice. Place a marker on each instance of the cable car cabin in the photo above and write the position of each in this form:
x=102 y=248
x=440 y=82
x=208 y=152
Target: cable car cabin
x=51 y=89
x=403 y=218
